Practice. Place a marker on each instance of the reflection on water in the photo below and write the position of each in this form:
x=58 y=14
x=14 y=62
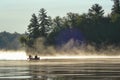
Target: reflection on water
x=79 y=69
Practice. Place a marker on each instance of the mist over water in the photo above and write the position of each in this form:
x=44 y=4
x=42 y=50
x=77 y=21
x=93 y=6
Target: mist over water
x=13 y=55
x=71 y=50
x=76 y=63
x=62 y=54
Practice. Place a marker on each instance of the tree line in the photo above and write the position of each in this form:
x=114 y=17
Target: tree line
x=10 y=41
x=93 y=27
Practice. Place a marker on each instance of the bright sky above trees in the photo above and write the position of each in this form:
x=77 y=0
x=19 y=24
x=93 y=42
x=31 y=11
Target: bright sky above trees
x=15 y=14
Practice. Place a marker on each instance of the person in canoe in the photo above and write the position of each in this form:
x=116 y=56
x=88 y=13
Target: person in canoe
x=30 y=57
x=35 y=58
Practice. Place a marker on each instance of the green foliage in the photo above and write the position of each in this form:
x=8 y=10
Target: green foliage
x=96 y=28
x=38 y=27
x=23 y=39
x=9 y=41
x=57 y=26
x=96 y=11
x=115 y=18
x=58 y=22
x=72 y=19
x=44 y=22
x=116 y=7
x=33 y=28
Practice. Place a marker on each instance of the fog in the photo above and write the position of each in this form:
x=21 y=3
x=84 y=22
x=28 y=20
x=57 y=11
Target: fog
x=72 y=48
x=13 y=55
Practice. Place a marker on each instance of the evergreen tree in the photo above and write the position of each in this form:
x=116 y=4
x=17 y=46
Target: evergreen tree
x=116 y=7
x=96 y=11
x=33 y=28
x=33 y=32
x=57 y=27
x=58 y=22
x=44 y=22
x=72 y=19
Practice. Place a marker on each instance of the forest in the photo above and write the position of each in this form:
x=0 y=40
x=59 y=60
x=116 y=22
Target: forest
x=10 y=41
x=94 y=28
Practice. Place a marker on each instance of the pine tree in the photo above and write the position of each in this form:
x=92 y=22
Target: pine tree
x=33 y=28
x=96 y=11
x=116 y=7
x=33 y=31
x=58 y=22
x=44 y=22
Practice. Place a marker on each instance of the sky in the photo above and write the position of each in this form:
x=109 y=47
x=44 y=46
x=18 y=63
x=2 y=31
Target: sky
x=16 y=14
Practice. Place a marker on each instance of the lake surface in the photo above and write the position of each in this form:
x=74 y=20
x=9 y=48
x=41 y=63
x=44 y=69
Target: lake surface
x=61 y=69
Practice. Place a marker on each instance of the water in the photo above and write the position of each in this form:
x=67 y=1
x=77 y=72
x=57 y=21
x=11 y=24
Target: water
x=61 y=69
